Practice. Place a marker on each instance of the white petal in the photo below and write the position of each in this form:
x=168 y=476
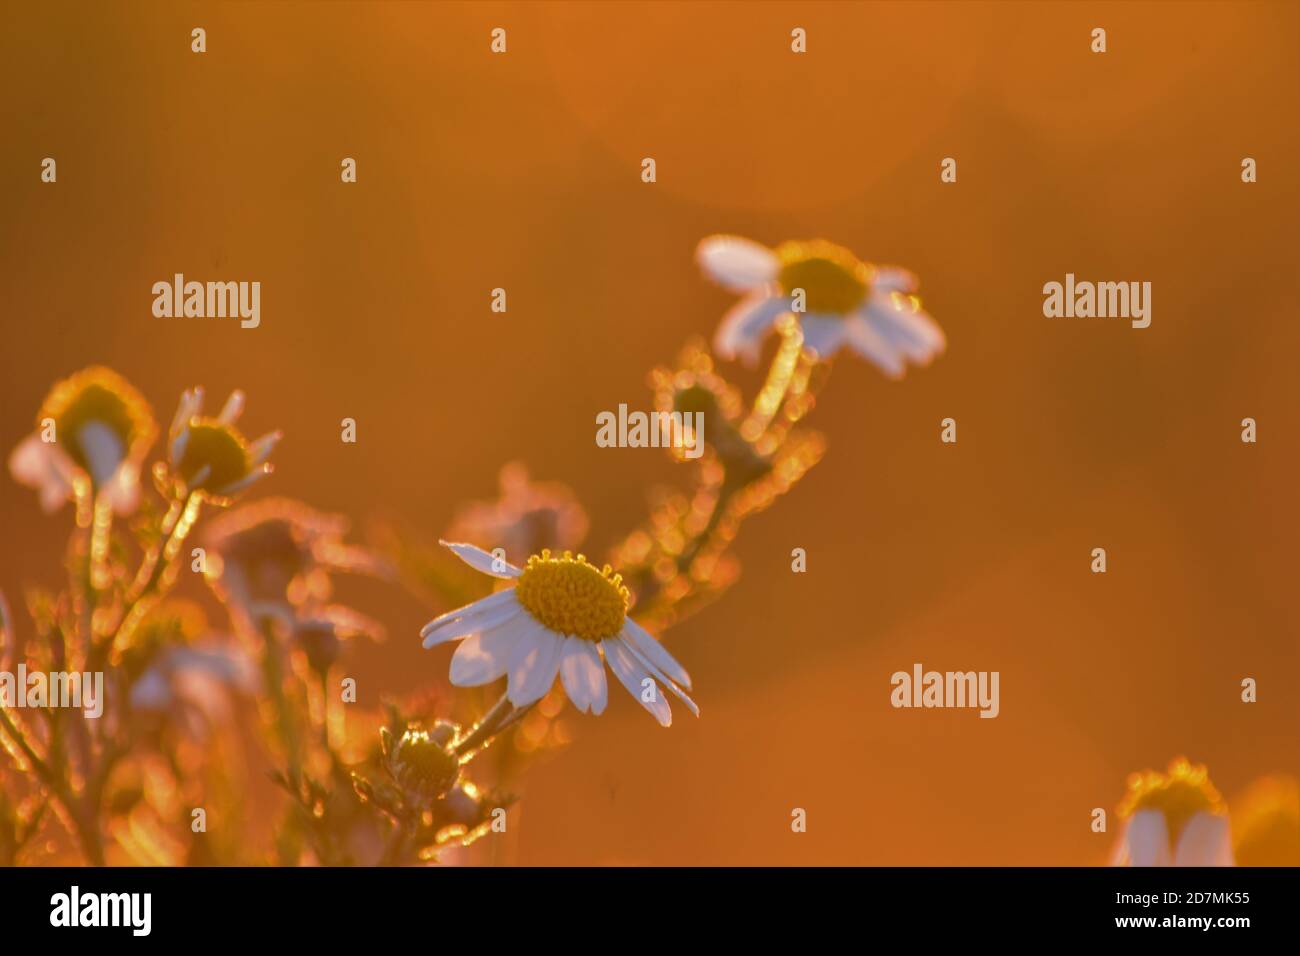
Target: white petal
x=1147 y=837
x=485 y=657
x=889 y=326
x=45 y=467
x=476 y=608
x=735 y=263
x=746 y=323
x=233 y=408
x=123 y=492
x=662 y=678
x=261 y=449
x=533 y=672
x=189 y=405
x=645 y=644
x=151 y=692
x=631 y=672
x=220 y=663
x=471 y=617
x=924 y=325
x=822 y=334
x=893 y=279
x=905 y=327
x=583 y=674
x=1205 y=841
x=103 y=449
x=867 y=342
x=180 y=439
x=252 y=478
x=480 y=560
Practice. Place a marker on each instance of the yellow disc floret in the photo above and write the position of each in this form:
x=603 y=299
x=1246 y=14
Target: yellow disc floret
x=101 y=396
x=571 y=596
x=1179 y=794
x=832 y=278
x=215 y=455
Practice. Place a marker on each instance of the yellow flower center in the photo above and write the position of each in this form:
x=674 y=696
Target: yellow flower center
x=218 y=448
x=96 y=396
x=1179 y=794
x=570 y=596
x=832 y=278
x=695 y=399
x=423 y=764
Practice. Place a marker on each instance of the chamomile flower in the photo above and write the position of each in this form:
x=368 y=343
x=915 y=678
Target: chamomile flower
x=563 y=616
x=320 y=634
x=422 y=762
x=280 y=550
x=1173 y=819
x=92 y=426
x=846 y=302
x=193 y=687
x=210 y=454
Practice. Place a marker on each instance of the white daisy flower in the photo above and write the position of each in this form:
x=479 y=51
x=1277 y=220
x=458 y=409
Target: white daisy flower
x=210 y=454
x=562 y=617
x=871 y=309
x=102 y=429
x=193 y=686
x=1174 y=819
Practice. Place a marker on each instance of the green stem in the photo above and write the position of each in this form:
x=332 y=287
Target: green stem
x=499 y=718
x=176 y=526
x=84 y=823
x=273 y=675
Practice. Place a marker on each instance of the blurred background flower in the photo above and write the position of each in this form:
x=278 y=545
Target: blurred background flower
x=937 y=550
x=526 y=517
x=94 y=426
x=1176 y=818
x=281 y=552
x=838 y=300
x=1266 y=822
x=211 y=454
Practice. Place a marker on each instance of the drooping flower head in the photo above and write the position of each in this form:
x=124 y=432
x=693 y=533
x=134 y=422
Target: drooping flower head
x=179 y=672
x=1175 y=818
x=563 y=616
x=322 y=633
x=92 y=425
x=838 y=300
x=210 y=454
x=280 y=550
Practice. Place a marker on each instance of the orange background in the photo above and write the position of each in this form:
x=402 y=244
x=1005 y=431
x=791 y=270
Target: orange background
x=522 y=171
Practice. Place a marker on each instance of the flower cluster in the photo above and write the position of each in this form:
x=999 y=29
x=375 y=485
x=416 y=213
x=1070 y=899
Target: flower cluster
x=190 y=701
x=1178 y=818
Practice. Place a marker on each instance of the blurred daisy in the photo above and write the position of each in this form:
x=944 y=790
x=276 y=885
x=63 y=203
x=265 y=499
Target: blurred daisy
x=528 y=517
x=1173 y=819
x=210 y=454
x=872 y=310
x=1266 y=823
x=692 y=387
x=280 y=550
x=102 y=430
x=192 y=686
x=562 y=616
x=321 y=634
